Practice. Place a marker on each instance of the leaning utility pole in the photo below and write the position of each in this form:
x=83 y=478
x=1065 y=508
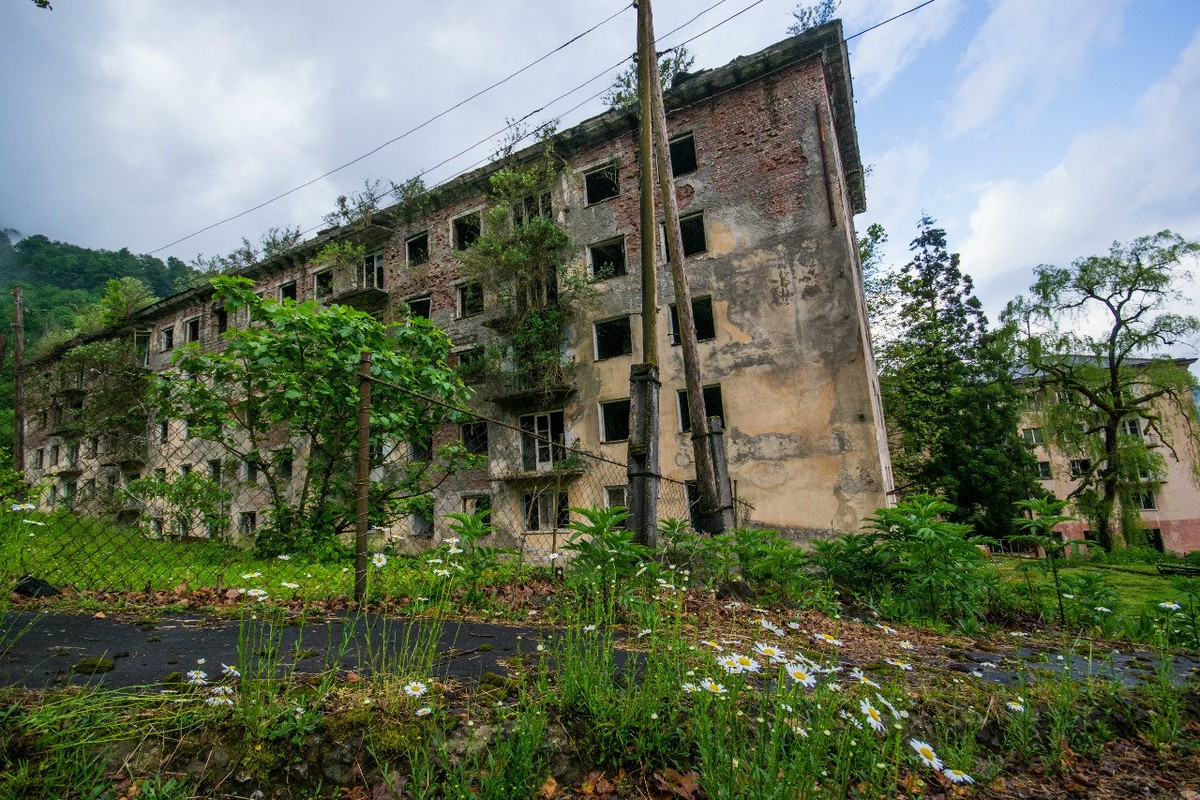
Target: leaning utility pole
x=19 y=380
x=716 y=513
x=644 y=384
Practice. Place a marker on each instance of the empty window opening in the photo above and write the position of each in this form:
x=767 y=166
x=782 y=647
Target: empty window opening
x=164 y=431
x=466 y=230
x=545 y=511
x=287 y=291
x=1044 y=472
x=601 y=184
x=249 y=471
x=39 y=458
x=713 y=406
x=370 y=272
x=543 y=441
x=470 y=299
x=614 y=338
x=214 y=470
x=475 y=438
x=691 y=230
x=683 y=154
x=1146 y=501
x=702 y=318
x=247 y=523
x=615 y=496
x=420 y=307
x=533 y=206
x=222 y=320
x=191 y=330
x=608 y=258
x=416 y=248
x=477 y=504
x=420 y=448
x=54 y=455
x=166 y=340
x=1080 y=467
x=323 y=284
x=284 y=464
x=614 y=421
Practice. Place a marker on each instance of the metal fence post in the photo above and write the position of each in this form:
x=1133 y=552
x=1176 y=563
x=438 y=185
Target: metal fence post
x=362 y=485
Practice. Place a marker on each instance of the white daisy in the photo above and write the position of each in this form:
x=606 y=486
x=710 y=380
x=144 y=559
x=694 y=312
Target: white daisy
x=1014 y=706
x=1170 y=606
x=415 y=689
x=874 y=718
x=770 y=652
x=926 y=753
x=710 y=685
x=827 y=639
x=957 y=776
x=801 y=675
x=379 y=560
x=424 y=711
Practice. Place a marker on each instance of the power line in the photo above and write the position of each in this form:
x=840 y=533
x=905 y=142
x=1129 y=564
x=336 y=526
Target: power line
x=409 y=132
x=892 y=19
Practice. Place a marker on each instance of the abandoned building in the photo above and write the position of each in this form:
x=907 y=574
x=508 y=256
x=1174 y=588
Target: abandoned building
x=768 y=178
x=1167 y=505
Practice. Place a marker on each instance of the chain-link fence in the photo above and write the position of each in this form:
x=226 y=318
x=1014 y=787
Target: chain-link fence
x=165 y=507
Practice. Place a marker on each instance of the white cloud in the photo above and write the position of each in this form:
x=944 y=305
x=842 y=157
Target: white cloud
x=1023 y=51
x=1113 y=183
x=895 y=184
x=879 y=56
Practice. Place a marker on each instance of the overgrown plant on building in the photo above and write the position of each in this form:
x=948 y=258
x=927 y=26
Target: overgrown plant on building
x=1094 y=337
x=286 y=386
x=527 y=262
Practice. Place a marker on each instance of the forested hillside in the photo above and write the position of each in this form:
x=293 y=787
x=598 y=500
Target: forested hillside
x=63 y=283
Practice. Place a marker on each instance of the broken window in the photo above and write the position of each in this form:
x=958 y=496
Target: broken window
x=535 y=205
x=470 y=299
x=615 y=497
x=222 y=320
x=39 y=458
x=191 y=330
x=214 y=470
x=1080 y=467
x=477 y=503
x=614 y=421
x=164 y=431
x=247 y=523
x=475 y=437
x=420 y=307
x=614 y=338
x=284 y=464
x=702 y=317
x=543 y=440
x=323 y=284
x=249 y=471
x=370 y=272
x=601 y=184
x=691 y=229
x=683 y=154
x=545 y=510
x=287 y=291
x=420 y=448
x=608 y=258
x=416 y=248
x=166 y=340
x=713 y=406
x=466 y=230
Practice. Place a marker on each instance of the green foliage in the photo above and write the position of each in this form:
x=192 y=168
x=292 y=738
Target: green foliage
x=813 y=15
x=294 y=371
x=605 y=562
x=194 y=503
x=1046 y=514
x=1094 y=382
x=913 y=561
x=623 y=93
x=474 y=558
x=948 y=393
x=123 y=297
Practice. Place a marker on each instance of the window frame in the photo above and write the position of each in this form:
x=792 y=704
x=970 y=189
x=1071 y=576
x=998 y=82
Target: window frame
x=672 y=146
x=191 y=329
x=456 y=237
x=626 y=339
x=673 y=332
x=371 y=267
x=462 y=309
x=602 y=406
x=322 y=284
x=605 y=243
x=610 y=165
x=408 y=249
x=289 y=290
x=427 y=298
x=533 y=504
x=544 y=440
x=682 y=405
x=166 y=339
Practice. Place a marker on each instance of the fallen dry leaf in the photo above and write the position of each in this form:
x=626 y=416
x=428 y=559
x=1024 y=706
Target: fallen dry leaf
x=549 y=788
x=684 y=785
x=100 y=615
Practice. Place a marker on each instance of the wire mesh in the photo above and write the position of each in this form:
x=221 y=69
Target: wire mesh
x=162 y=508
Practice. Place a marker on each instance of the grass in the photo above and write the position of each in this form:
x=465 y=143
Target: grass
x=643 y=687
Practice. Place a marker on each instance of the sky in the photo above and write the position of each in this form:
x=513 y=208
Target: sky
x=1033 y=131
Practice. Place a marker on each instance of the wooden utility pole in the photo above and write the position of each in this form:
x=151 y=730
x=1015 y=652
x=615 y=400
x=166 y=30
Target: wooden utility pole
x=644 y=384
x=715 y=515
x=19 y=381
x=362 y=484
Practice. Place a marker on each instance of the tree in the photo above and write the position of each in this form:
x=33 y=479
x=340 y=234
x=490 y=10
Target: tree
x=813 y=15
x=123 y=297
x=623 y=92
x=286 y=387
x=948 y=393
x=1094 y=337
